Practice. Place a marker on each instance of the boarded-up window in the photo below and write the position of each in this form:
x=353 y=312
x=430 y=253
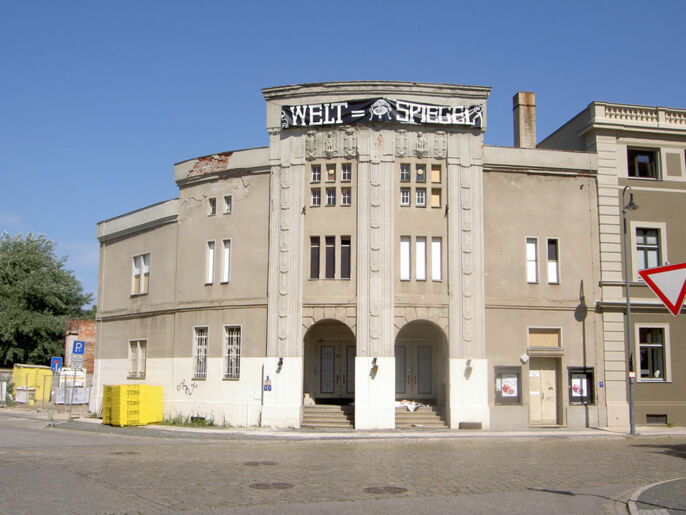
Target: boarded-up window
x=404 y=258
x=544 y=338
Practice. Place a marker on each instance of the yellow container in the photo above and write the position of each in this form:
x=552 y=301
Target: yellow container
x=36 y=377
x=132 y=405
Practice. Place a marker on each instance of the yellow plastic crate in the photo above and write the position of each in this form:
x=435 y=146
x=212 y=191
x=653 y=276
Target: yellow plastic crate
x=132 y=405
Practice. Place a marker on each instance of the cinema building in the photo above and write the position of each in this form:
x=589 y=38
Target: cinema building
x=377 y=252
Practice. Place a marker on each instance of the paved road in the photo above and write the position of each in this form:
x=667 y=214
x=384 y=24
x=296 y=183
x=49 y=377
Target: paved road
x=74 y=471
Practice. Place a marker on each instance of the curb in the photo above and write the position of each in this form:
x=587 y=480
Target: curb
x=633 y=508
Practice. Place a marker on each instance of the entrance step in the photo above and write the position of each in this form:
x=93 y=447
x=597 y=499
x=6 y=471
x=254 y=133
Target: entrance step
x=329 y=416
x=424 y=417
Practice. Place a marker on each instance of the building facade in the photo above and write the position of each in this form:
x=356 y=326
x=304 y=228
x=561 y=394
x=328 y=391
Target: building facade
x=376 y=251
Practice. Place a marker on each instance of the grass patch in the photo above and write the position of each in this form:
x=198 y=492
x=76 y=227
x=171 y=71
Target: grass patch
x=188 y=421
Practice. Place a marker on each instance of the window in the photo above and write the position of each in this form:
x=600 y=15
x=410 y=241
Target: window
x=553 y=262
x=140 y=275
x=436 y=174
x=404 y=172
x=435 y=197
x=209 y=263
x=420 y=256
x=137 y=350
x=421 y=197
x=211 y=206
x=531 y=260
x=226 y=261
x=652 y=353
x=404 y=196
x=345 y=257
x=316 y=173
x=200 y=342
x=404 y=258
x=316 y=197
x=642 y=164
x=330 y=196
x=346 y=172
x=420 y=175
x=314 y=257
x=330 y=174
x=581 y=386
x=345 y=196
x=508 y=382
x=647 y=248
x=330 y=257
x=436 y=259
x=232 y=352
x=544 y=338
x=228 y=204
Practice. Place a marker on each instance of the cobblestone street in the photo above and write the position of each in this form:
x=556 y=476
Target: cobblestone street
x=58 y=470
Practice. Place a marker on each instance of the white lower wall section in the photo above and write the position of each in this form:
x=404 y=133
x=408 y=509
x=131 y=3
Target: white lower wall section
x=283 y=404
x=374 y=393
x=469 y=392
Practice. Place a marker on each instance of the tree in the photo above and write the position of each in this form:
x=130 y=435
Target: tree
x=37 y=296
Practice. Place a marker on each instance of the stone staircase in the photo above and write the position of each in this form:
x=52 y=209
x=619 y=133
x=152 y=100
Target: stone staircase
x=431 y=417
x=329 y=416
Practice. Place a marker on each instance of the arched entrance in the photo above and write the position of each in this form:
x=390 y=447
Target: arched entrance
x=329 y=375
x=421 y=364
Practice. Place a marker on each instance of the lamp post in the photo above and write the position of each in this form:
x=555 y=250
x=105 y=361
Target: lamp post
x=630 y=332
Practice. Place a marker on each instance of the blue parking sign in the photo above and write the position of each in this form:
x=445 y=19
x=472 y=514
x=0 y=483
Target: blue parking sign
x=79 y=347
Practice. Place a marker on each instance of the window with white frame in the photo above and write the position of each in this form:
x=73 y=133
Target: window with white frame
x=316 y=173
x=211 y=206
x=137 y=349
x=316 y=197
x=404 y=196
x=436 y=260
x=404 y=172
x=209 y=262
x=420 y=197
x=232 y=352
x=345 y=196
x=330 y=196
x=226 y=261
x=553 y=251
x=228 y=204
x=420 y=257
x=653 y=353
x=647 y=248
x=405 y=258
x=532 y=260
x=200 y=344
x=346 y=172
x=140 y=275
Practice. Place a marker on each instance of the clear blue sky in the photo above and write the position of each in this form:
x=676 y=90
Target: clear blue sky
x=99 y=99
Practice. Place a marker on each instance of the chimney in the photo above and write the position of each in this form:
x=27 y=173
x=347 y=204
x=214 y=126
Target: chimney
x=524 y=107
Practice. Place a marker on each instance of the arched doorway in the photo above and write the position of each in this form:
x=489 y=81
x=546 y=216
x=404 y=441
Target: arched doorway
x=329 y=375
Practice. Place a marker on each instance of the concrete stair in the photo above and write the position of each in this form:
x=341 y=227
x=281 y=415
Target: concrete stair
x=424 y=418
x=329 y=416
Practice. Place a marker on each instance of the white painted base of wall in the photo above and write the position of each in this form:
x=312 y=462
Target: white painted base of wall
x=469 y=392
x=618 y=415
x=282 y=406
x=374 y=393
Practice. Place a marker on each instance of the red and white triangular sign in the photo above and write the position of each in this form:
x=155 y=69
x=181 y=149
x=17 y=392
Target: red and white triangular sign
x=668 y=283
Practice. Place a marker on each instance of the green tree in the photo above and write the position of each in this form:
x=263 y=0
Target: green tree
x=37 y=296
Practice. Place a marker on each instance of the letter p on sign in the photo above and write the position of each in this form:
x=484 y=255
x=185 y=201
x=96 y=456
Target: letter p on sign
x=79 y=347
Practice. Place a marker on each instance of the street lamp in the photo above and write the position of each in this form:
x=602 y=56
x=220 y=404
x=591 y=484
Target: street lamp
x=630 y=332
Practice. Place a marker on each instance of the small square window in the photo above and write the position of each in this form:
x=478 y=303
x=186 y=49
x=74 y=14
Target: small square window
x=345 y=196
x=316 y=197
x=508 y=385
x=228 y=204
x=435 y=197
x=346 y=172
x=421 y=173
x=211 y=206
x=404 y=196
x=316 y=173
x=421 y=197
x=404 y=172
x=330 y=196
x=643 y=164
x=330 y=174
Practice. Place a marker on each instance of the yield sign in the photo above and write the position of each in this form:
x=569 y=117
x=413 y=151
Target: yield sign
x=668 y=283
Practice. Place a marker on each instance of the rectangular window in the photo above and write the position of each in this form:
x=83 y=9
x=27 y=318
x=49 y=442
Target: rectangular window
x=346 y=172
x=531 y=260
x=140 y=276
x=330 y=196
x=316 y=173
x=421 y=197
x=209 y=263
x=228 y=204
x=436 y=260
x=420 y=256
x=200 y=343
x=420 y=175
x=137 y=349
x=316 y=197
x=345 y=257
x=232 y=352
x=345 y=196
x=648 y=248
x=314 y=257
x=226 y=261
x=330 y=174
x=435 y=197
x=404 y=172
x=508 y=385
x=581 y=386
x=652 y=353
x=643 y=164
x=553 y=262
x=404 y=196
x=404 y=258
x=211 y=206
x=436 y=174
x=544 y=338
x=330 y=257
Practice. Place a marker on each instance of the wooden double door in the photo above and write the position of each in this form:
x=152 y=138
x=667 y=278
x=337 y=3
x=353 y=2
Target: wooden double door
x=414 y=378
x=332 y=375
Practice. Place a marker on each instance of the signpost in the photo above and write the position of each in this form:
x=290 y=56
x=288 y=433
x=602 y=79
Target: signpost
x=669 y=284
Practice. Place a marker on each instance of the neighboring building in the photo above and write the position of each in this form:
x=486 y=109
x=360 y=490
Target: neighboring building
x=375 y=251
x=80 y=331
